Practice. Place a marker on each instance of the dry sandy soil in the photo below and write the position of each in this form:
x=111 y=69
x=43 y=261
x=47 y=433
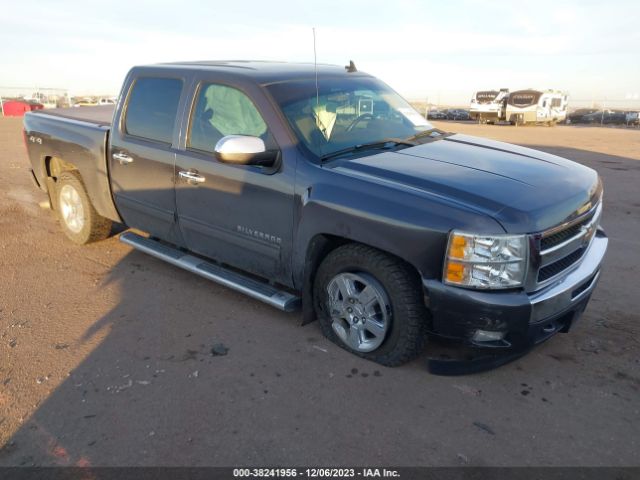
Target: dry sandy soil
x=105 y=356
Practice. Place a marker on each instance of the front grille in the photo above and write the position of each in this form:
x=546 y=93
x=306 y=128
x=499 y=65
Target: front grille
x=558 y=266
x=560 y=248
x=563 y=235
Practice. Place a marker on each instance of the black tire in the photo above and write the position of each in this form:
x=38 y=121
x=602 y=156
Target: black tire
x=406 y=337
x=94 y=227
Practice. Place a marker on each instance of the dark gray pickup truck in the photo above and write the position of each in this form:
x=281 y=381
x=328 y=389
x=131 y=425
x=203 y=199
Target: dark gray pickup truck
x=324 y=189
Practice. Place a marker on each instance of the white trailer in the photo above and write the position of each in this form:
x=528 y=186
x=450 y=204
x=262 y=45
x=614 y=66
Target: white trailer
x=536 y=106
x=488 y=106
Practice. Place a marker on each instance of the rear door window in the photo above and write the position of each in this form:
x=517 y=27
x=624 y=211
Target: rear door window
x=152 y=108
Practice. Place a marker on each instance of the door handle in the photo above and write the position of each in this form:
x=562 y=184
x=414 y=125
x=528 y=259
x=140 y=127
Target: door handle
x=191 y=177
x=122 y=158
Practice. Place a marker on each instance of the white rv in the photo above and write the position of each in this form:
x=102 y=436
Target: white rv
x=488 y=106
x=536 y=106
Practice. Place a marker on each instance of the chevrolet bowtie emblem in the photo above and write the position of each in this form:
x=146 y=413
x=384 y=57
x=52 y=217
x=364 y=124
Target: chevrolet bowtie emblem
x=589 y=230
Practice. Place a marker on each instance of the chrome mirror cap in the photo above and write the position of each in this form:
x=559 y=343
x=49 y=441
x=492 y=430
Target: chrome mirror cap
x=244 y=150
x=239 y=144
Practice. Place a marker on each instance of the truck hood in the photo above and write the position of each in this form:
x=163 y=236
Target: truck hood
x=525 y=190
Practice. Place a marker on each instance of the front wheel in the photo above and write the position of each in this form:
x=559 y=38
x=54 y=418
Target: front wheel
x=371 y=304
x=79 y=220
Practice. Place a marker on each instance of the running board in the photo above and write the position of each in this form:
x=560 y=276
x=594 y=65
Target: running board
x=229 y=278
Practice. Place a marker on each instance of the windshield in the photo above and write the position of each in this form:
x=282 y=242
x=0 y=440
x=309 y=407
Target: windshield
x=345 y=112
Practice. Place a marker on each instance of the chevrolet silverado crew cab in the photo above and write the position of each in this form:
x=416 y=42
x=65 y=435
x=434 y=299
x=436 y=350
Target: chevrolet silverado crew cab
x=321 y=188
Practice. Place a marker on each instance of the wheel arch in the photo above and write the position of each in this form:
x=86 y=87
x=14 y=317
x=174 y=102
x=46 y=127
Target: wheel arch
x=53 y=166
x=321 y=245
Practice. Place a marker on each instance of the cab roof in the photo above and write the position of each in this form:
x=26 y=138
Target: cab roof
x=265 y=72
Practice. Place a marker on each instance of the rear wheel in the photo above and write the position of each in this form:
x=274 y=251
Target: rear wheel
x=79 y=220
x=371 y=304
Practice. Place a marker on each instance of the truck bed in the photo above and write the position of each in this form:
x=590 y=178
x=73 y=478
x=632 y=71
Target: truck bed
x=100 y=115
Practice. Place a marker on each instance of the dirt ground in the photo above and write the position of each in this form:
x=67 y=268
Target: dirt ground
x=105 y=356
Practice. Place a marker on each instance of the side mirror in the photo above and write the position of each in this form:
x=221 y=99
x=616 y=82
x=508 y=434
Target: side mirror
x=244 y=150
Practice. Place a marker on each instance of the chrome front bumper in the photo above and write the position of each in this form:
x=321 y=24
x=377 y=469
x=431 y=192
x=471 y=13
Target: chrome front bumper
x=574 y=286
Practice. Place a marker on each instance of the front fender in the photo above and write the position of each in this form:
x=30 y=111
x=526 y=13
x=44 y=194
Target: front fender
x=410 y=226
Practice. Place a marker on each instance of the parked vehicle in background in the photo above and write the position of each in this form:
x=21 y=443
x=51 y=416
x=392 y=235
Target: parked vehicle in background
x=85 y=103
x=457 y=114
x=606 y=117
x=324 y=188
x=489 y=106
x=536 y=106
x=578 y=115
x=107 y=101
x=437 y=115
x=633 y=118
x=616 y=117
x=47 y=101
x=595 y=117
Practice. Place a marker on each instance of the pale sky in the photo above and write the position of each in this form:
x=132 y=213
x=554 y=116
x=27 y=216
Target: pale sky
x=437 y=50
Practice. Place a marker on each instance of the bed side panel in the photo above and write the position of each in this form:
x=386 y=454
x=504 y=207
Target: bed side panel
x=82 y=144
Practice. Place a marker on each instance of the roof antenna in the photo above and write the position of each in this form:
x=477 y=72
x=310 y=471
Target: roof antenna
x=351 y=67
x=315 y=66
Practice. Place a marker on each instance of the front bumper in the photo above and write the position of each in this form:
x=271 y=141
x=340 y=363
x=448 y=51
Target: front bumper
x=525 y=319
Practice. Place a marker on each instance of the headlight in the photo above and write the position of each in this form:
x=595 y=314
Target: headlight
x=486 y=261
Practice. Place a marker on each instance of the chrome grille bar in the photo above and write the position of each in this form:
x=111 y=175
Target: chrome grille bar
x=564 y=247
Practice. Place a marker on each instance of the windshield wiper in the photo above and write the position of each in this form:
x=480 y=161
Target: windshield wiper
x=432 y=134
x=382 y=144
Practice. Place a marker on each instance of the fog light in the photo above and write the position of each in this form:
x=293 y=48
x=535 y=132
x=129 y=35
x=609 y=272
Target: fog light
x=487 y=336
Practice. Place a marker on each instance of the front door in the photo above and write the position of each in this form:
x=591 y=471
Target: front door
x=142 y=158
x=237 y=214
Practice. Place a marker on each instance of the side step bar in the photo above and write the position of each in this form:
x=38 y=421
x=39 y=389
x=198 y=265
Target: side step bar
x=229 y=278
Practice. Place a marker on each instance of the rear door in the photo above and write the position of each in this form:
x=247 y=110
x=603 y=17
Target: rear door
x=237 y=214
x=142 y=154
